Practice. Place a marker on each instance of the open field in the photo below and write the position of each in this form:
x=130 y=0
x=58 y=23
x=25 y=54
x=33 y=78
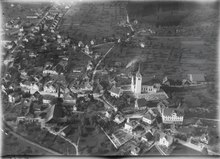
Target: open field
x=22 y=10
x=93 y=20
x=15 y=146
x=200 y=103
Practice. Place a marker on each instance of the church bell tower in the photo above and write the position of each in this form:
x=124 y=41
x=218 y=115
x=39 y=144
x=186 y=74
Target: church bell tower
x=138 y=81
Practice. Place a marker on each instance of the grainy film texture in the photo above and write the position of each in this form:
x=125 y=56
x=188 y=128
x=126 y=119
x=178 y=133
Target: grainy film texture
x=116 y=78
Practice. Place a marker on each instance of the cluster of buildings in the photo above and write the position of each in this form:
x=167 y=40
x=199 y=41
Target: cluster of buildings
x=43 y=94
x=37 y=87
x=151 y=117
x=149 y=91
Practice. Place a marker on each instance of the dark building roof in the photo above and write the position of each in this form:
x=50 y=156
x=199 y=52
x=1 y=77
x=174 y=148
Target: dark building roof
x=152 y=104
x=142 y=102
x=148 y=136
x=54 y=112
x=170 y=111
x=36 y=94
x=138 y=128
x=152 y=82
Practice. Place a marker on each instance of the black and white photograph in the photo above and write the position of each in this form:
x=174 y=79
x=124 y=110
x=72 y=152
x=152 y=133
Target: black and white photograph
x=98 y=78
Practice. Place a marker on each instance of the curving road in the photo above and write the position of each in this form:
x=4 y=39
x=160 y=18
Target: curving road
x=72 y=143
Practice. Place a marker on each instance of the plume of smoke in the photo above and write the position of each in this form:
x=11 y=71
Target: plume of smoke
x=140 y=58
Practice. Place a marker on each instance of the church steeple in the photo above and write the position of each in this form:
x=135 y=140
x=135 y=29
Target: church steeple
x=138 y=74
x=138 y=81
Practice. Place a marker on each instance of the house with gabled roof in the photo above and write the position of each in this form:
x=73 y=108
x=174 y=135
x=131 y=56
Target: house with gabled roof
x=141 y=103
x=69 y=98
x=54 y=113
x=115 y=92
x=119 y=119
x=148 y=118
x=147 y=137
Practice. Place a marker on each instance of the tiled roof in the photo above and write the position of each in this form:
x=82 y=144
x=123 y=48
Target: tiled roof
x=54 y=112
x=152 y=104
x=142 y=102
x=115 y=90
x=148 y=136
x=149 y=116
x=170 y=111
x=138 y=128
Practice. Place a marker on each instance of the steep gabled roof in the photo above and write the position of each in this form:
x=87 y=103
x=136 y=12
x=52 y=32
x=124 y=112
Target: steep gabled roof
x=115 y=90
x=148 y=116
x=54 y=112
x=148 y=136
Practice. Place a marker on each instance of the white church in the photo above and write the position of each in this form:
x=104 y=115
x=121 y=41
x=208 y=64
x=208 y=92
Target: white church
x=152 y=86
x=149 y=90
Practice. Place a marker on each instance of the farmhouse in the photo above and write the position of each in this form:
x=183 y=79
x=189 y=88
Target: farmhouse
x=115 y=92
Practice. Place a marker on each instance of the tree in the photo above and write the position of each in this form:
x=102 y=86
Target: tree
x=204 y=151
